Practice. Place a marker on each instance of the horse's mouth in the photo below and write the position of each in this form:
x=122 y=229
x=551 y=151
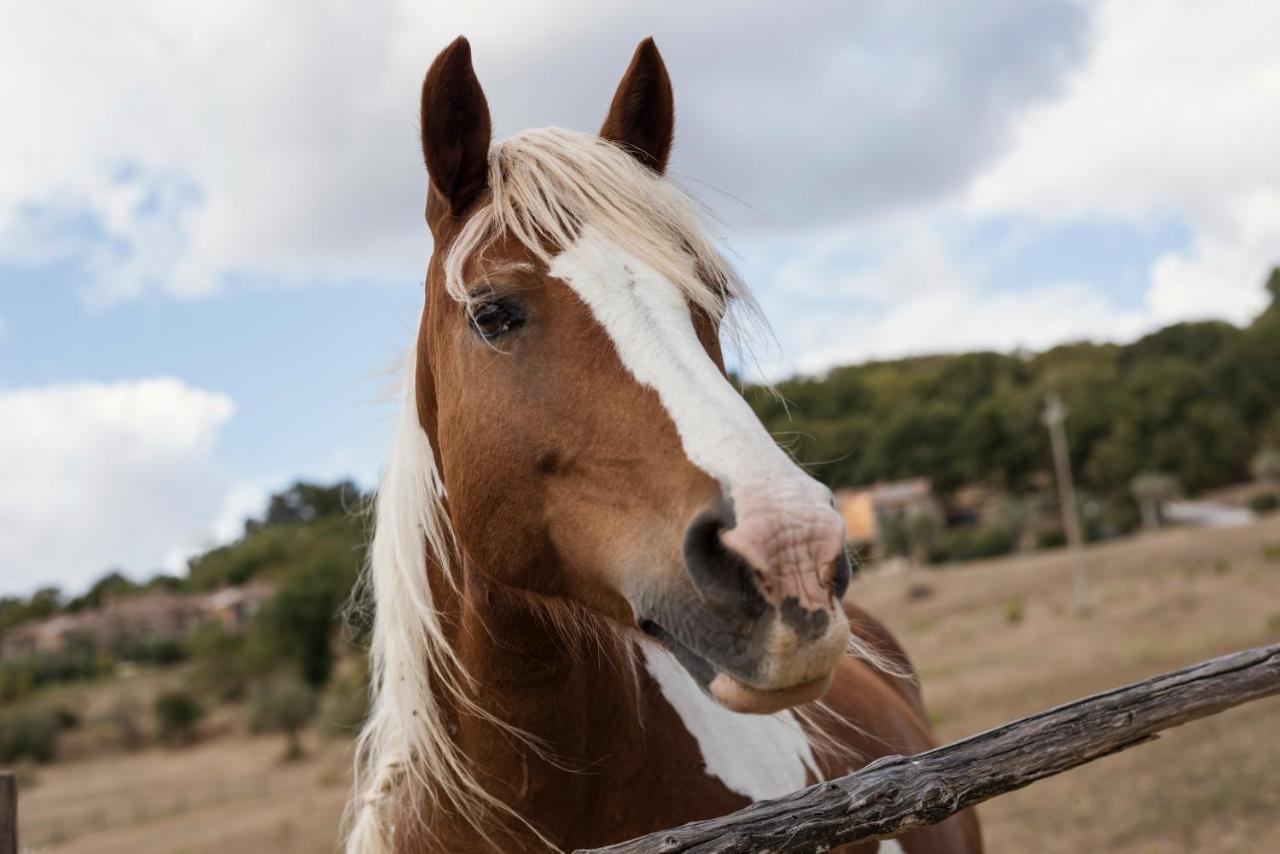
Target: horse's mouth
x=730 y=691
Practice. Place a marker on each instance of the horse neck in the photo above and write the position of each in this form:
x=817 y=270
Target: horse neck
x=535 y=672
x=571 y=695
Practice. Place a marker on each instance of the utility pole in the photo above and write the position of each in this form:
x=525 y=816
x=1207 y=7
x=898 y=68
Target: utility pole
x=1054 y=415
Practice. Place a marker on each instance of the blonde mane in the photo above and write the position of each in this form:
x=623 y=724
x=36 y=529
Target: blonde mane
x=545 y=186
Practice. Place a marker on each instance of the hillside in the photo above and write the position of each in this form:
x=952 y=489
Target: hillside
x=1194 y=400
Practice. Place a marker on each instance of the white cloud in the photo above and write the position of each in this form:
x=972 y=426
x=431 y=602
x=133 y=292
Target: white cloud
x=916 y=297
x=169 y=147
x=1177 y=113
x=962 y=319
x=106 y=474
x=1173 y=117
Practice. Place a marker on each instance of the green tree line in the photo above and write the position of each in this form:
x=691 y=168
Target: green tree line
x=1198 y=401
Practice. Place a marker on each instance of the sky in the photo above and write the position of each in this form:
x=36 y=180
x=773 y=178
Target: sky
x=212 y=245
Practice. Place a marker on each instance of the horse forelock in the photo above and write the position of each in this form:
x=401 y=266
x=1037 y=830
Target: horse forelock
x=546 y=185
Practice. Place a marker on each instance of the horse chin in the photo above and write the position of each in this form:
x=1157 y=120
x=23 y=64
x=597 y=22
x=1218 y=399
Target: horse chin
x=732 y=692
x=738 y=696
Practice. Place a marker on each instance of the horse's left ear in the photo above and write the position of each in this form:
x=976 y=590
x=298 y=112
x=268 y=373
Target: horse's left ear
x=642 y=117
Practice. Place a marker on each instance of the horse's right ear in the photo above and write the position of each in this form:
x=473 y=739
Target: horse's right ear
x=455 y=128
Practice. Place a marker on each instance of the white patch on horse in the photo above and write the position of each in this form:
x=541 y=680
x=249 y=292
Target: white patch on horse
x=647 y=317
x=890 y=846
x=756 y=756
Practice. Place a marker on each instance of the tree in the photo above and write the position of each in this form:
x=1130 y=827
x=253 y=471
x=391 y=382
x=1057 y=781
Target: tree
x=114 y=585
x=284 y=704
x=299 y=623
x=1152 y=490
x=14 y=611
x=307 y=502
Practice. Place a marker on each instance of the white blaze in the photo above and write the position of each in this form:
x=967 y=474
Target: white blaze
x=648 y=319
x=784 y=522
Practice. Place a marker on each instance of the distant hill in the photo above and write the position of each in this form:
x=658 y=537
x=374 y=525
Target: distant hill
x=1194 y=400
x=307 y=550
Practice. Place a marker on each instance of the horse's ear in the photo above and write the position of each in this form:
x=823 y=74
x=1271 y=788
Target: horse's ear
x=643 y=116
x=455 y=127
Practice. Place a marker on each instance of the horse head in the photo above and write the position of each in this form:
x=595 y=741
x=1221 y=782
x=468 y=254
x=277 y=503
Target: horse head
x=589 y=442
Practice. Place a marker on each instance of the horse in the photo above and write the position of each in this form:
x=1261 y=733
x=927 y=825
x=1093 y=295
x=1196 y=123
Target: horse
x=605 y=601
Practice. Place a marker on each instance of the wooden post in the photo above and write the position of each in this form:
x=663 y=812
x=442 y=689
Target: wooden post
x=895 y=794
x=8 y=813
x=1054 y=416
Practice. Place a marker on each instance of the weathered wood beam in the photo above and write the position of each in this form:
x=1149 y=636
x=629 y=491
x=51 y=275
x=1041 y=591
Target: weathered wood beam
x=898 y=793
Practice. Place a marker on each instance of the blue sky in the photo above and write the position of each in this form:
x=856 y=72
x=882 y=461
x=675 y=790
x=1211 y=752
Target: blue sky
x=306 y=367
x=211 y=244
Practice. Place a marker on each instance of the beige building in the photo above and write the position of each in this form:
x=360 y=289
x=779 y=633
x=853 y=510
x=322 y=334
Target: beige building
x=865 y=510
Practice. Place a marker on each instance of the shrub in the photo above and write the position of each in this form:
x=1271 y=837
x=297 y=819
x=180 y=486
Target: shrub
x=284 y=704
x=67 y=718
x=177 y=716
x=158 y=651
x=30 y=732
x=958 y=544
x=1054 y=539
x=1264 y=502
x=21 y=676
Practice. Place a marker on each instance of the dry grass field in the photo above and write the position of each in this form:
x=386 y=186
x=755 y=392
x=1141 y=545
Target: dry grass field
x=993 y=641
x=997 y=641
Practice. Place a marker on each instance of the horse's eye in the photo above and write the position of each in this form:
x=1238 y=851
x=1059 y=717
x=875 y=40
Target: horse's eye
x=495 y=319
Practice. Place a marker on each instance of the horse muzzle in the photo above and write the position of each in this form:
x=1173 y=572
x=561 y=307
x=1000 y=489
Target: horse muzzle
x=757 y=618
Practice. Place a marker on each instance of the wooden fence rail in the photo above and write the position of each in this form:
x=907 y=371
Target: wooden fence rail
x=898 y=793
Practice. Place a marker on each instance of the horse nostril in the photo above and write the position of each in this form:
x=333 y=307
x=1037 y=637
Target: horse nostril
x=721 y=576
x=842 y=575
